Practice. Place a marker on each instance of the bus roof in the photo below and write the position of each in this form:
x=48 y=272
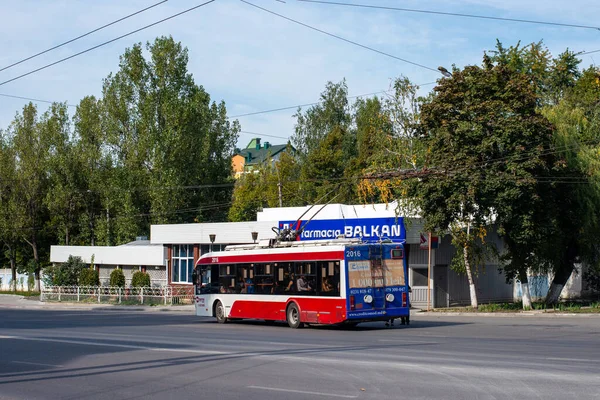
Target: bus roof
x=272 y=251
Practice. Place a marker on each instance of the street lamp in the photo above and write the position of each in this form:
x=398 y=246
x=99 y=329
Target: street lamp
x=212 y=238
x=444 y=72
x=254 y=236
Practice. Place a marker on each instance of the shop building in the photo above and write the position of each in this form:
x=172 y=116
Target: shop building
x=172 y=251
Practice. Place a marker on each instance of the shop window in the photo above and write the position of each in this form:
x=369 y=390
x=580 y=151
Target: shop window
x=419 y=277
x=182 y=263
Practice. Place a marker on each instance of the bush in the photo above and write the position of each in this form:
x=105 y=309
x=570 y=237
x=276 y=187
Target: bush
x=592 y=279
x=117 y=278
x=89 y=277
x=140 y=279
x=66 y=274
x=31 y=282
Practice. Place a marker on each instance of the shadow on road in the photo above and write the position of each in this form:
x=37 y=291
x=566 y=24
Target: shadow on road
x=365 y=326
x=48 y=319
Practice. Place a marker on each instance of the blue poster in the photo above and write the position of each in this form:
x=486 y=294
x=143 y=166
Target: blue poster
x=369 y=229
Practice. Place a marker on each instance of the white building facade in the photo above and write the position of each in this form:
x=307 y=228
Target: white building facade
x=172 y=251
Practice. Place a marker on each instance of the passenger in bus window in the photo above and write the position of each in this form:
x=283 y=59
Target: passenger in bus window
x=249 y=285
x=335 y=279
x=325 y=285
x=303 y=285
x=276 y=288
x=290 y=283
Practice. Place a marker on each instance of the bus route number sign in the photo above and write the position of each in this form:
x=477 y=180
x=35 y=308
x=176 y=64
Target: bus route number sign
x=357 y=253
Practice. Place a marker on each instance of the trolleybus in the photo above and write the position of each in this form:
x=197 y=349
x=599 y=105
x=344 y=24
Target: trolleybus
x=342 y=281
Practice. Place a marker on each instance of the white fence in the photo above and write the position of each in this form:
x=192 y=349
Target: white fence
x=117 y=295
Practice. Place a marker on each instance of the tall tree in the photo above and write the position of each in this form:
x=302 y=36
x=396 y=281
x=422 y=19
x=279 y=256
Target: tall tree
x=486 y=145
x=35 y=143
x=63 y=197
x=9 y=236
x=313 y=125
x=576 y=197
x=168 y=137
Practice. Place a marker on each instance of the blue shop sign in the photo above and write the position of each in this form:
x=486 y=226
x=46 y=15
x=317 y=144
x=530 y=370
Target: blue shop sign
x=369 y=229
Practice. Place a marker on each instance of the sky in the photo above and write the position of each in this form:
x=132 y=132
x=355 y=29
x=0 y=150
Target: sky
x=255 y=61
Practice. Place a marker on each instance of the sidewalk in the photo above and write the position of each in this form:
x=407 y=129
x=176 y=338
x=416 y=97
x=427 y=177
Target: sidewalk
x=22 y=302
x=532 y=313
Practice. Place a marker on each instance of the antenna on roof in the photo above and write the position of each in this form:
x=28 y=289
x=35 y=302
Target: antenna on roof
x=290 y=234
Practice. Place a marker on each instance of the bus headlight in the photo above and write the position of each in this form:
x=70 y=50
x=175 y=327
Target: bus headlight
x=389 y=297
x=368 y=298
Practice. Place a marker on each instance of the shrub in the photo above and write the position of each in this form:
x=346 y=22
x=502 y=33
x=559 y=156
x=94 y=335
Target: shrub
x=89 y=277
x=140 y=279
x=592 y=279
x=67 y=274
x=30 y=282
x=117 y=278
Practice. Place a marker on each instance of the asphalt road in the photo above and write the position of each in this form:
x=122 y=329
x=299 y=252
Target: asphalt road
x=122 y=354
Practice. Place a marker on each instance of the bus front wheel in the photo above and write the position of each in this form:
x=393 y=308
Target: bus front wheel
x=293 y=316
x=220 y=313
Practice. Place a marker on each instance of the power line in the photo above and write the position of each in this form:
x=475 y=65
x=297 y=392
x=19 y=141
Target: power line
x=107 y=42
x=527 y=21
x=84 y=35
x=315 y=103
x=300 y=105
x=32 y=99
x=341 y=38
x=587 y=52
x=264 y=134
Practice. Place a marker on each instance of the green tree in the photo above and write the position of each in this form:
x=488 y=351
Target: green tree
x=140 y=279
x=167 y=136
x=486 y=146
x=249 y=197
x=64 y=196
x=34 y=144
x=266 y=186
x=117 y=278
x=568 y=98
x=66 y=274
x=313 y=125
x=576 y=195
x=9 y=236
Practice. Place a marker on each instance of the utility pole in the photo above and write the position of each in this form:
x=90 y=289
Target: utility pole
x=280 y=196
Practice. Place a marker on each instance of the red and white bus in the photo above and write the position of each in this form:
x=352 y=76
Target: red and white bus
x=342 y=281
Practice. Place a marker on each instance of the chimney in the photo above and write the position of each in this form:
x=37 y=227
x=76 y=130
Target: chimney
x=257 y=143
x=267 y=145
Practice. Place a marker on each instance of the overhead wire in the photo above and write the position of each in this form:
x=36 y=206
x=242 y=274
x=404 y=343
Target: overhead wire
x=583 y=53
x=527 y=21
x=315 y=103
x=84 y=35
x=341 y=38
x=32 y=99
x=105 y=43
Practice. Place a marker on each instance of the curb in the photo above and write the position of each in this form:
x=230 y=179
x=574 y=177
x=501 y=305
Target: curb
x=505 y=315
x=99 y=307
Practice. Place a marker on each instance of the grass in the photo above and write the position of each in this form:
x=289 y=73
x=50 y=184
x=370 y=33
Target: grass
x=20 y=293
x=567 y=307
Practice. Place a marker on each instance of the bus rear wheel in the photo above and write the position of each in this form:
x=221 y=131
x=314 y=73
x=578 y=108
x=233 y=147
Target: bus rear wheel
x=220 y=313
x=293 y=316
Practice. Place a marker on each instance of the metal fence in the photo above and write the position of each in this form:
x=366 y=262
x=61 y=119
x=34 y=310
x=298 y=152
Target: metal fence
x=166 y=295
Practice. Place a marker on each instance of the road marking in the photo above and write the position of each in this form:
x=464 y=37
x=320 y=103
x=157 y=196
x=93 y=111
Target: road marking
x=571 y=359
x=33 y=363
x=345 y=396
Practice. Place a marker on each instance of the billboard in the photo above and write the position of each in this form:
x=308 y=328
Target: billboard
x=369 y=229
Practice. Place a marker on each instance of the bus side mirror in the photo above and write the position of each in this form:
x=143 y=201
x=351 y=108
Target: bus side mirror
x=195 y=276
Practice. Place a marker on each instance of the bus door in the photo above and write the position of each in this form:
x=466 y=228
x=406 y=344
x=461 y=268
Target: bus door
x=377 y=276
